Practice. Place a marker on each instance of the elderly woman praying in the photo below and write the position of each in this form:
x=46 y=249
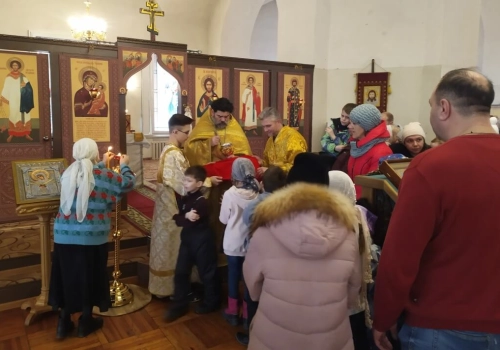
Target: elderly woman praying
x=79 y=279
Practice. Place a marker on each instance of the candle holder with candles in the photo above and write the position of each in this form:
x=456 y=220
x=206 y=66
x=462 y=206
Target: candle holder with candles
x=121 y=294
x=125 y=298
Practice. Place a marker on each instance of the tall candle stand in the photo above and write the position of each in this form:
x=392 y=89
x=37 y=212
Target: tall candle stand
x=124 y=298
x=121 y=295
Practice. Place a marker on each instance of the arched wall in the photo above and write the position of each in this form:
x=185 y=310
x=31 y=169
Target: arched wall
x=264 y=42
x=417 y=42
x=231 y=27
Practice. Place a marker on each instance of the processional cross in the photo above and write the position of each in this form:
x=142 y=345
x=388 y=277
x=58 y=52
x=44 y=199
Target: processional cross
x=152 y=11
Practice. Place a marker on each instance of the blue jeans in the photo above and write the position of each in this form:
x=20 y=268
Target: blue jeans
x=414 y=338
x=234 y=274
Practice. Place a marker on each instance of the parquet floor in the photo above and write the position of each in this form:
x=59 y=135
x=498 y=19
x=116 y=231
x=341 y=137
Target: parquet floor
x=143 y=329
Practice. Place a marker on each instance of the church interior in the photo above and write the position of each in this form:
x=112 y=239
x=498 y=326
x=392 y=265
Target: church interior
x=142 y=61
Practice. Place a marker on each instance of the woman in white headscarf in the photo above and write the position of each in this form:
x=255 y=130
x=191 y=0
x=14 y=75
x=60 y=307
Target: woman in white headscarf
x=360 y=315
x=79 y=279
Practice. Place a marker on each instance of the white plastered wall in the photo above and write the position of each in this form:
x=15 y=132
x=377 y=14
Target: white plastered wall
x=417 y=42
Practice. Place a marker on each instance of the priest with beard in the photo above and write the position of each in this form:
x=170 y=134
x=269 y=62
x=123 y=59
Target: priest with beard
x=203 y=147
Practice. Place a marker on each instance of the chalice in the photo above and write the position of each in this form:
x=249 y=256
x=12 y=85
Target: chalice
x=227 y=149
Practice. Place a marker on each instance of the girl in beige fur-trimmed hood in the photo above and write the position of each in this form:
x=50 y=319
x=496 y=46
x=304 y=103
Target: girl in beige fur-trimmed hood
x=303 y=268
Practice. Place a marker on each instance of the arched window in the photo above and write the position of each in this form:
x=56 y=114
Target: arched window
x=166 y=98
x=153 y=96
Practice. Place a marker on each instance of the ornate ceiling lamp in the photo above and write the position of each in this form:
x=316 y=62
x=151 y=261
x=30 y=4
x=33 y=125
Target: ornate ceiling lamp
x=87 y=27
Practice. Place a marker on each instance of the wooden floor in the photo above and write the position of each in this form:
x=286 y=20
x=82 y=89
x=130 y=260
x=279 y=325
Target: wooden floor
x=143 y=329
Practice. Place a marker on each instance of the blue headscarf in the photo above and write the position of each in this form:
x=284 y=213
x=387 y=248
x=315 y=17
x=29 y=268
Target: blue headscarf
x=244 y=171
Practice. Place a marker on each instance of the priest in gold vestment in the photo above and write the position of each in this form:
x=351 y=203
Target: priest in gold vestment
x=284 y=142
x=204 y=146
x=213 y=130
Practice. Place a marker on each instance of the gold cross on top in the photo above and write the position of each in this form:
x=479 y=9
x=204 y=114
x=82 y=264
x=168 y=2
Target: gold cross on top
x=152 y=11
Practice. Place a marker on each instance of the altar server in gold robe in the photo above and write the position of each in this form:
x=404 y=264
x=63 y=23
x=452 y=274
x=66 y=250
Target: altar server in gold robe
x=165 y=234
x=212 y=131
x=284 y=142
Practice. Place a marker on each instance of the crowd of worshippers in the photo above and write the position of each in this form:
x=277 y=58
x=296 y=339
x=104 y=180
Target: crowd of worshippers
x=296 y=233
x=308 y=281
x=363 y=122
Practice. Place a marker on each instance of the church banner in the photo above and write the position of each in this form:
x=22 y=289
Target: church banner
x=89 y=80
x=294 y=97
x=89 y=101
x=251 y=96
x=19 y=98
x=25 y=118
x=295 y=101
x=206 y=84
x=372 y=88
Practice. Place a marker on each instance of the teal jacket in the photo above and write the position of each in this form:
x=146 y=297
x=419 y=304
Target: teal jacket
x=95 y=228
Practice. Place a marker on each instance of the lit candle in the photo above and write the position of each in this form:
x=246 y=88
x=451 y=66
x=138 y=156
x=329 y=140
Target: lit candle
x=108 y=162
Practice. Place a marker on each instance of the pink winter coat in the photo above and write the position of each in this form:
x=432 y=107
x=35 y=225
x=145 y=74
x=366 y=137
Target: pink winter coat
x=303 y=267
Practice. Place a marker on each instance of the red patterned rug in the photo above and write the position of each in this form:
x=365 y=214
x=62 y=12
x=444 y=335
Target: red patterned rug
x=140 y=208
x=150 y=170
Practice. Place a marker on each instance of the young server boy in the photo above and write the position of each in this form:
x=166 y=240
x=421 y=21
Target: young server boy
x=197 y=248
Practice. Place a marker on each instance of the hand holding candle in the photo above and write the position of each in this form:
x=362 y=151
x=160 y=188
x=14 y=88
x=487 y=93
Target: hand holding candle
x=107 y=157
x=109 y=153
x=124 y=159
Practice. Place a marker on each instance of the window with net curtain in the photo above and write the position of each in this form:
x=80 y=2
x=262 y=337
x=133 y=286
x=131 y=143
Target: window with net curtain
x=166 y=98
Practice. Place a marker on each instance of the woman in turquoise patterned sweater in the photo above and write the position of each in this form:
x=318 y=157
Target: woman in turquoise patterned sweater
x=79 y=279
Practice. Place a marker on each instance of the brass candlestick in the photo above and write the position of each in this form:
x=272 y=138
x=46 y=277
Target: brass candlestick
x=124 y=298
x=121 y=295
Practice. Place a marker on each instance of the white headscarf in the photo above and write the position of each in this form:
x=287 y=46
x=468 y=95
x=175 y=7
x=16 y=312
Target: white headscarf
x=341 y=182
x=79 y=176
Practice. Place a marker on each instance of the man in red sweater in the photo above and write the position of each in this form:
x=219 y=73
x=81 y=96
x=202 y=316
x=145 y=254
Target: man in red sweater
x=441 y=256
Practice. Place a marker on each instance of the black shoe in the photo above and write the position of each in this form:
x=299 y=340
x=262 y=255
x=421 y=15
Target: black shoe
x=176 y=312
x=233 y=320
x=64 y=328
x=205 y=309
x=243 y=338
x=86 y=327
x=193 y=298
